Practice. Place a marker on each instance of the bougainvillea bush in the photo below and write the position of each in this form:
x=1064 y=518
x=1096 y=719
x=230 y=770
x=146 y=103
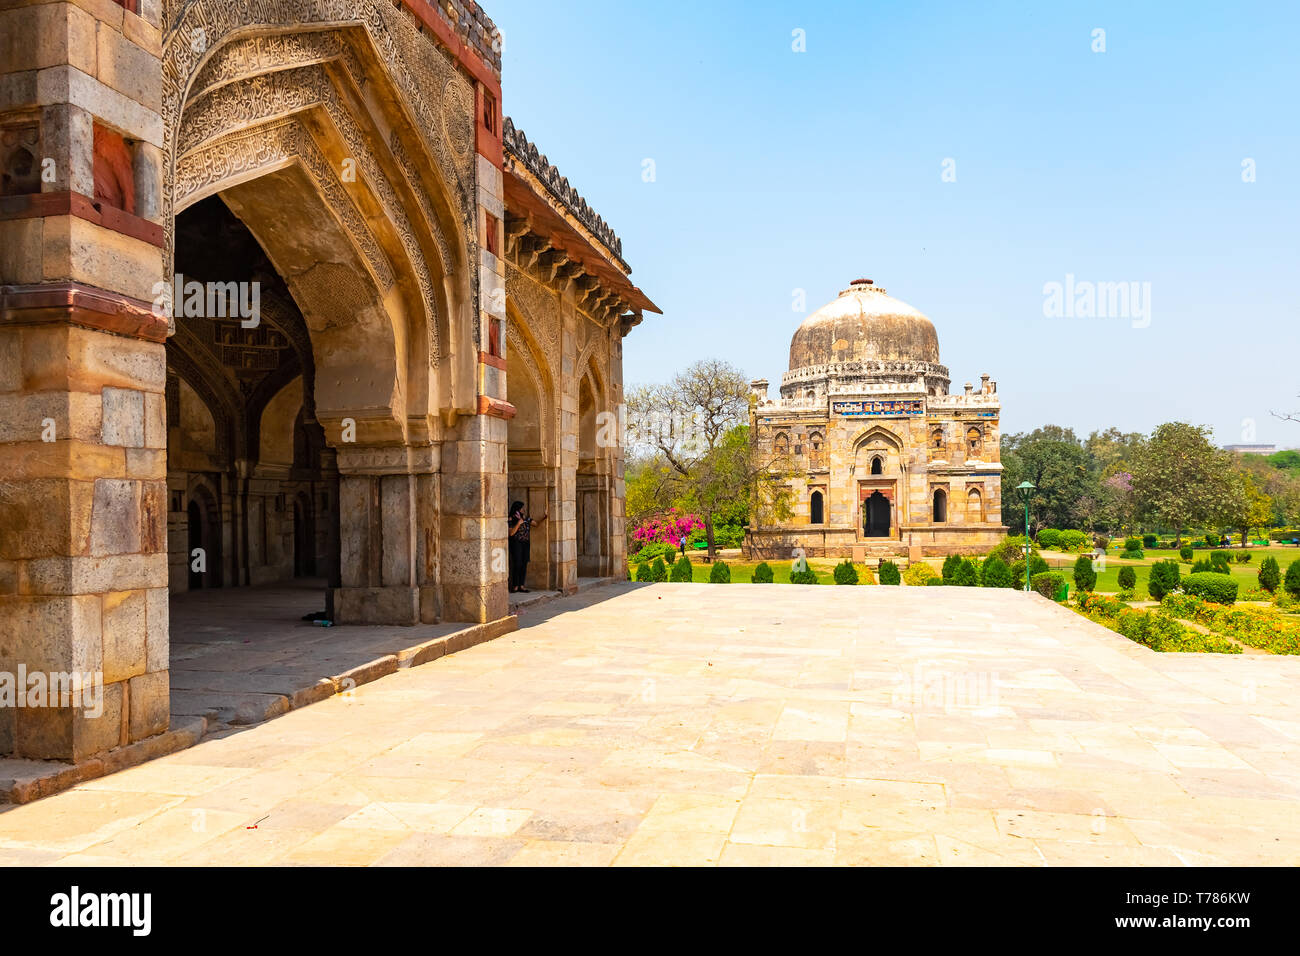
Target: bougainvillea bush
x=672 y=527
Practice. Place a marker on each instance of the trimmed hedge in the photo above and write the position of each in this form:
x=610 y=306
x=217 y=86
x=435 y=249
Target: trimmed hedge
x=1185 y=552
x=1149 y=540
x=1049 y=538
x=966 y=574
x=1072 y=540
x=1291 y=583
x=1048 y=584
x=655 y=549
x=995 y=573
x=1163 y=579
x=1085 y=576
x=1137 y=555
x=803 y=577
x=1135 y=544
x=889 y=573
x=1212 y=586
x=1270 y=575
x=682 y=571
x=720 y=573
x=846 y=573
x=658 y=571
x=1128 y=578
x=919 y=574
x=950 y=566
x=643 y=571
x=763 y=574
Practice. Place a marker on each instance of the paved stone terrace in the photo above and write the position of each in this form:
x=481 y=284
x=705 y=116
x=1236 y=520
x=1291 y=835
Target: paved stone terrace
x=740 y=724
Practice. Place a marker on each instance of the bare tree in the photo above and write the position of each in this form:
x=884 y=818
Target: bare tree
x=695 y=431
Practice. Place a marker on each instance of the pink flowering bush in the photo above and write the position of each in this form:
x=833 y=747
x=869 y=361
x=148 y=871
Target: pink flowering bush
x=672 y=527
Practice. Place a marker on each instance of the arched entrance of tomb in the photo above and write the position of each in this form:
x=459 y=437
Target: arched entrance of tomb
x=592 y=480
x=876 y=516
x=532 y=451
x=309 y=176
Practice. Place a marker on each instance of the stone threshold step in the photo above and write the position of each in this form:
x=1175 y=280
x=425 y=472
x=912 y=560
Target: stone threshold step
x=22 y=781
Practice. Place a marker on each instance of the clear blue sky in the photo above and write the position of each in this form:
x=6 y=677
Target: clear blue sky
x=778 y=170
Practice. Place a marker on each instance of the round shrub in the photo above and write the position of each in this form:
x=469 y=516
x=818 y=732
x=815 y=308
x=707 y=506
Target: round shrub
x=1135 y=544
x=720 y=573
x=1049 y=538
x=681 y=572
x=846 y=573
x=1185 y=552
x=950 y=566
x=1128 y=578
x=995 y=573
x=1085 y=577
x=1212 y=540
x=1211 y=587
x=1164 y=578
x=763 y=574
x=889 y=573
x=658 y=571
x=966 y=574
x=1072 y=540
x=1291 y=583
x=1242 y=557
x=643 y=571
x=1269 y=574
x=1018 y=571
x=1048 y=584
x=1137 y=555
x=1149 y=540
x=1203 y=566
x=919 y=574
x=803 y=577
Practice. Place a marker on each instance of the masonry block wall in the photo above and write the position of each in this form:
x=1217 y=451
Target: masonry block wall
x=83 y=498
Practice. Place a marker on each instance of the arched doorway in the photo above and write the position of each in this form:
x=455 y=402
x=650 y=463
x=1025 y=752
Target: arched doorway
x=816 y=509
x=940 y=506
x=876 y=516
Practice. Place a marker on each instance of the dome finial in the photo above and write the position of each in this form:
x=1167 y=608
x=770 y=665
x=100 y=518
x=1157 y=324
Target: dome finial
x=861 y=282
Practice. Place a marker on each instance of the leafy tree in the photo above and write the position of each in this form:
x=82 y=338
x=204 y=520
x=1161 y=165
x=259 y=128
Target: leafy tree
x=1067 y=488
x=1247 y=506
x=1285 y=459
x=1181 y=479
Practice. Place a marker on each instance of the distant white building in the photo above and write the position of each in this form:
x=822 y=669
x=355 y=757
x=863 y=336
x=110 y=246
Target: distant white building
x=1252 y=449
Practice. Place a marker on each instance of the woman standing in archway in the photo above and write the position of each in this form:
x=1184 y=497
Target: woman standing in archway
x=520 y=525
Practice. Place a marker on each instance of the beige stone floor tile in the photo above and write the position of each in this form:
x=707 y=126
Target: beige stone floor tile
x=174 y=779
x=492 y=822
x=565 y=853
x=668 y=848
x=810 y=824
x=885 y=848
x=748 y=854
x=692 y=812
x=1094 y=828
x=392 y=816
x=345 y=846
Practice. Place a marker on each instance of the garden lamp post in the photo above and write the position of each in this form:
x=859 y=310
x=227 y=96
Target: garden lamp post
x=1026 y=488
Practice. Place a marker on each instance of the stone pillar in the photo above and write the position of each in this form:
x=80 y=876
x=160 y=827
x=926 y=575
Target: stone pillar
x=83 y=497
x=566 y=539
x=618 y=497
x=388 y=515
x=474 y=566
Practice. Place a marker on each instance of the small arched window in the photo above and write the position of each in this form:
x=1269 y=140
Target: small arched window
x=975 y=505
x=936 y=442
x=816 y=511
x=974 y=442
x=940 y=506
x=877 y=466
x=815 y=450
x=781 y=443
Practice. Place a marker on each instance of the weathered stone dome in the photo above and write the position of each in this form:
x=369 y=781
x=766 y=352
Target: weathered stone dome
x=864 y=325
